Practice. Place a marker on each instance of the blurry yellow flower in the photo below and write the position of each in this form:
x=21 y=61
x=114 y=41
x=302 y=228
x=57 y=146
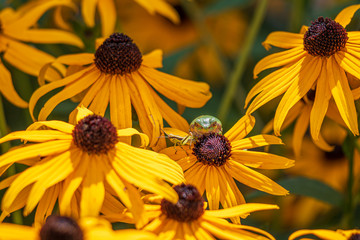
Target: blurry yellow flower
x=214 y=161
x=121 y=77
x=107 y=12
x=317 y=60
x=87 y=157
x=327 y=234
x=17 y=27
x=188 y=219
x=57 y=227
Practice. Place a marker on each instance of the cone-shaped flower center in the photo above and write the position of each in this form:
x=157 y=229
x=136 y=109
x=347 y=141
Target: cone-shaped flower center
x=212 y=149
x=325 y=37
x=118 y=55
x=189 y=207
x=95 y=134
x=61 y=228
x=336 y=154
x=355 y=236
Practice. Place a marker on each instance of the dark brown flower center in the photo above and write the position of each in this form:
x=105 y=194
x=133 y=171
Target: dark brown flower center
x=95 y=134
x=118 y=55
x=325 y=37
x=189 y=207
x=336 y=154
x=355 y=236
x=61 y=228
x=212 y=149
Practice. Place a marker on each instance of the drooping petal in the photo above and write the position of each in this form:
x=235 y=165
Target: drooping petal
x=188 y=93
x=279 y=59
x=342 y=95
x=22 y=232
x=101 y=100
x=323 y=234
x=242 y=128
x=54 y=124
x=283 y=40
x=107 y=12
x=196 y=176
x=349 y=60
x=300 y=129
x=212 y=187
x=46 y=205
x=7 y=88
x=88 y=11
x=345 y=16
x=161 y=7
x=300 y=86
x=70 y=90
x=37 y=136
x=51 y=86
x=240 y=210
x=254 y=179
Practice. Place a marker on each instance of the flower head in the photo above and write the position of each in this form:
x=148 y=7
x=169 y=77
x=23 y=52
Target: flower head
x=65 y=228
x=323 y=234
x=119 y=76
x=316 y=65
x=79 y=165
x=215 y=160
x=188 y=219
x=17 y=27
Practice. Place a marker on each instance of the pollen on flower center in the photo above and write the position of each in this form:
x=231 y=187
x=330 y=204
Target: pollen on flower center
x=61 y=228
x=355 y=236
x=212 y=149
x=118 y=55
x=325 y=37
x=189 y=207
x=95 y=134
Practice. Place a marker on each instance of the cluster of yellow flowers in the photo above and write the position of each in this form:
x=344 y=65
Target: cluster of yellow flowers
x=84 y=174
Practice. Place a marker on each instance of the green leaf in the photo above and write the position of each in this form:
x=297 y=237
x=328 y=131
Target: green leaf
x=223 y=5
x=307 y=187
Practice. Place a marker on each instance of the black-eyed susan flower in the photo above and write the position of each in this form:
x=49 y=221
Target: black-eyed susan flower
x=79 y=165
x=317 y=60
x=215 y=160
x=107 y=12
x=17 y=27
x=61 y=228
x=189 y=219
x=324 y=234
x=119 y=76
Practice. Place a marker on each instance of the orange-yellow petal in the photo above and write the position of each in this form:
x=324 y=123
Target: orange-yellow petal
x=345 y=16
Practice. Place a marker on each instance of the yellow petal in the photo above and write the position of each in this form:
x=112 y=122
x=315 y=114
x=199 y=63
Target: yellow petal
x=46 y=205
x=300 y=86
x=345 y=16
x=283 y=40
x=242 y=128
x=212 y=187
x=321 y=103
x=188 y=93
x=300 y=128
x=266 y=160
x=17 y=232
x=349 y=61
x=342 y=95
x=153 y=59
x=161 y=7
x=76 y=59
x=131 y=132
x=253 y=179
x=54 y=124
x=88 y=11
x=240 y=210
x=255 y=141
x=7 y=88
x=107 y=12
x=323 y=234
x=37 y=136
x=279 y=59
x=101 y=100
x=93 y=191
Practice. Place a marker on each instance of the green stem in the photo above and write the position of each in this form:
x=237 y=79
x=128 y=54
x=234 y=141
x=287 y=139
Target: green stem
x=16 y=216
x=238 y=71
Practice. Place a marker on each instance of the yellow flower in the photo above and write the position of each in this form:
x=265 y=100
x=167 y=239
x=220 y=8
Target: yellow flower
x=79 y=164
x=317 y=60
x=57 y=227
x=188 y=219
x=216 y=160
x=17 y=27
x=121 y=77
x=327 y=234
x=107 y=12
